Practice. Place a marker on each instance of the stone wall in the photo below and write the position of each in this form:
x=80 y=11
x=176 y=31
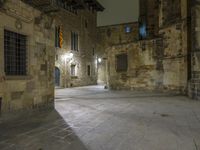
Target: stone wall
x=109 y=36
x=194 y=88
x=84 y=24
x=175 y=56
x=148 y=67
x=116 y=34
x=37 y=87
x=141 y=73
x=159 y=62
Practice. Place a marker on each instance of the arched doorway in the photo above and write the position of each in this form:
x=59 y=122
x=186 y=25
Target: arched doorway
x=57 y=76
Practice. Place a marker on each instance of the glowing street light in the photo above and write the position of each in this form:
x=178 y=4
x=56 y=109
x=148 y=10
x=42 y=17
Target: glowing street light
x=99 y=60
x=68 y=56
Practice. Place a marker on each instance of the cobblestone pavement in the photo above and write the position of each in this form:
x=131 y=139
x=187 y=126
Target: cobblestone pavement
x=96 y=119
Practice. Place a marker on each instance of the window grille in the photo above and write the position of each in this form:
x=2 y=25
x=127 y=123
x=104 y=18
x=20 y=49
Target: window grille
x=121 y=63
x=15 y=53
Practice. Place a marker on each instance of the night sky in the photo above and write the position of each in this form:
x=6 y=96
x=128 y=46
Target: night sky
x=118 y=11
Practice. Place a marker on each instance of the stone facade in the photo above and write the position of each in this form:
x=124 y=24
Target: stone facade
x=194 y=86
x=159 y=60
x=174 y=32
x=109 y=36
x=84 y=24
x=30 y=53
x=36 y=88
x=33 y=85
x=141 y=72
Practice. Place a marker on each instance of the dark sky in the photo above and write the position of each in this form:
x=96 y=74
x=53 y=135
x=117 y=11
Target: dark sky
x=118 y=11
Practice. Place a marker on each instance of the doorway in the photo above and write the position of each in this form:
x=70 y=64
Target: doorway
x=57 y=76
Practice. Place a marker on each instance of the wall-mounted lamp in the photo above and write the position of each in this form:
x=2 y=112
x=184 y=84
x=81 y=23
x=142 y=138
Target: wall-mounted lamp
x=68 y=56
x=99 y=60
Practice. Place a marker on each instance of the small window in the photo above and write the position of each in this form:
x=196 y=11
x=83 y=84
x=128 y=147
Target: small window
x=128 y=29
x=15 y=53
x=86 y=24
x=121 y=63
x=73 y=70
x=88 y=70
x=74 y=41
x=93 y=51
x=109 y=32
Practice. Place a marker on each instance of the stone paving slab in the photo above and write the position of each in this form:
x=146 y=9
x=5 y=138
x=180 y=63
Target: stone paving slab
x=91 y=118
x=42 y=131
x=127 y=120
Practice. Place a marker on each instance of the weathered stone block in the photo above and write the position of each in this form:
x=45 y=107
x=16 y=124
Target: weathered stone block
x=30 y=86
x=16 y=95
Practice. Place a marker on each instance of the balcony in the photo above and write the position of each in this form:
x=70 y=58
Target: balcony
x=43 y=5
x=69 y=5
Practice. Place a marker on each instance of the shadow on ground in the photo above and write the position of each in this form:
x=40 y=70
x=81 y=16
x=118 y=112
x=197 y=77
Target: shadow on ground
x=43 y=130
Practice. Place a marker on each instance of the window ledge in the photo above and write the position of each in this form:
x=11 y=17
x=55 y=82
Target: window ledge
x=17 y=77
x=74 y=77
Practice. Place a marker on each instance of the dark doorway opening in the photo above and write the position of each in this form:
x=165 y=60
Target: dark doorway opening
x=57 y=76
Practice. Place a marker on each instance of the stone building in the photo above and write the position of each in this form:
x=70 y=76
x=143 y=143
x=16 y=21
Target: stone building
x=36 y=33
x=161 y=57
x=26 y=57
x=113 y=35
x=76 y=59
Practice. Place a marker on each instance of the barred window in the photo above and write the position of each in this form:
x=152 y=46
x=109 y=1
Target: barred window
x=74 y=41
x=15 y=53
x=121 y=62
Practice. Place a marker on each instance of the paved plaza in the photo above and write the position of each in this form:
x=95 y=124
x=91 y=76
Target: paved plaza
x=92 y=118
